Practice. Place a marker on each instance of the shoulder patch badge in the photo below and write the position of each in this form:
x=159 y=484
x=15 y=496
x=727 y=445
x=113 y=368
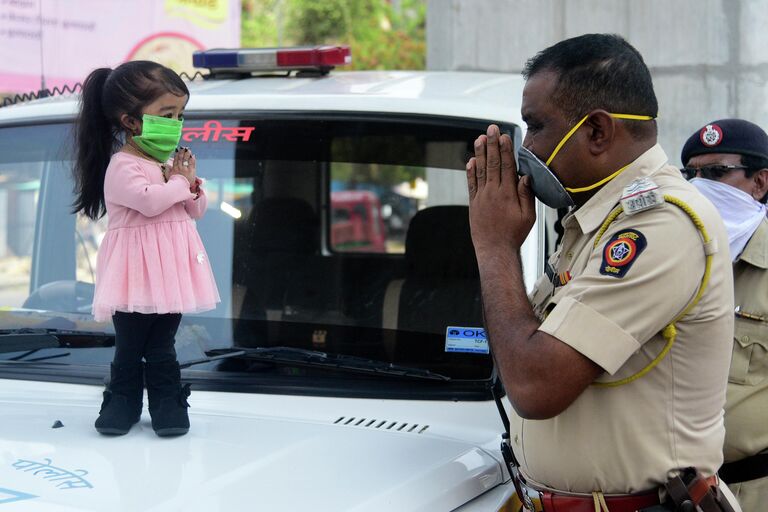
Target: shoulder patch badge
x=621 y=251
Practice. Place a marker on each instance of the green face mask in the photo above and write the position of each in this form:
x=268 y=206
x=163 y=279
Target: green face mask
x=159 y=136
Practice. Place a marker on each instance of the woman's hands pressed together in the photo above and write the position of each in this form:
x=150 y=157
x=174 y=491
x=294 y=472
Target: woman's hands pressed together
x=185 y=164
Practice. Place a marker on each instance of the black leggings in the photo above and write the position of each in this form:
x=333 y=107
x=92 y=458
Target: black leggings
x=151 y=337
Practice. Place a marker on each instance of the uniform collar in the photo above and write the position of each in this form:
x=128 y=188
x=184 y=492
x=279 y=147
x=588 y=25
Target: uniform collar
x=592 y=213
x=756 y=251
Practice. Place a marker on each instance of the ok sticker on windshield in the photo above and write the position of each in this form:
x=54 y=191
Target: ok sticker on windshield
x=471 y=340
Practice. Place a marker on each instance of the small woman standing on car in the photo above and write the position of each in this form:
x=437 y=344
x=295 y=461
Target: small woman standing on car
x=152 y=265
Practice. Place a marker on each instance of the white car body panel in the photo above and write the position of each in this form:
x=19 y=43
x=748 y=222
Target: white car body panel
x=273 y=452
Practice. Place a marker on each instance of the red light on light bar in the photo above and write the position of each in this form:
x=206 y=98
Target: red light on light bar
x=324 y=56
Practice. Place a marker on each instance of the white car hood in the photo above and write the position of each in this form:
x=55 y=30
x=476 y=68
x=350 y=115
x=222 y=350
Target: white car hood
x=243 y=451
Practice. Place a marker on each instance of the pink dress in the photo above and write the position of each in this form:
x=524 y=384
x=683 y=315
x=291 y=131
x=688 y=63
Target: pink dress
x=151 y=259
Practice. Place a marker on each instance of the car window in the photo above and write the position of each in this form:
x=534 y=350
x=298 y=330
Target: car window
x=19 y=192
x=342 y=234
x=27 y=156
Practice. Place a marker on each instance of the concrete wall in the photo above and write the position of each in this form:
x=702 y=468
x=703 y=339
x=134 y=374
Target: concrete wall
x=708 y=58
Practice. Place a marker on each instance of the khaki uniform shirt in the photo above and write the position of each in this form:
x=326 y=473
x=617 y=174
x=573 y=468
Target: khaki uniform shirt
x=746 y=410
x=629 y=438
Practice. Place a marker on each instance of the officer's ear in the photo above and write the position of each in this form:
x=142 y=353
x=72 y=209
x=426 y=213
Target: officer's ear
x=760 y=185
x=601 y=131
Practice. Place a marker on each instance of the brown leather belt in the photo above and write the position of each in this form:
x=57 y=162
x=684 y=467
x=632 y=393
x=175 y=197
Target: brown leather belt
x=546 y=501
x=630 y=503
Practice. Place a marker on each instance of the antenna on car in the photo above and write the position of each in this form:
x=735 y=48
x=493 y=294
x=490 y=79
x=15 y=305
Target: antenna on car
x=497 y=391
x=198 y=74
x=42 y=93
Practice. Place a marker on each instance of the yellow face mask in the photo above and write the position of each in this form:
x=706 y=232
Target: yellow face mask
x=573 y=130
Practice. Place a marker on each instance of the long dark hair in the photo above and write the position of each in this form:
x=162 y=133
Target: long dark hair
x=107 y=95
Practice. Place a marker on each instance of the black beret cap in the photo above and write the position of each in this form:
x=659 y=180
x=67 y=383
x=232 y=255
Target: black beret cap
x=735 y=136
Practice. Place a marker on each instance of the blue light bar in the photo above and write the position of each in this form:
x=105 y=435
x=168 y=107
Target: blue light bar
x=215 y=59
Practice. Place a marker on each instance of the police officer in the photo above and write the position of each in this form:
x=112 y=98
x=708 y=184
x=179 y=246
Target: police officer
x=728 y=161
x=617 y=366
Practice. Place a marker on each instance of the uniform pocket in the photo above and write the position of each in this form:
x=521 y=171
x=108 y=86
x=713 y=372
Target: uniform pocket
x=750 y=352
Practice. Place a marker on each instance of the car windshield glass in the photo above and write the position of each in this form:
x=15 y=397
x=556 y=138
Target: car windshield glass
x=342 y=234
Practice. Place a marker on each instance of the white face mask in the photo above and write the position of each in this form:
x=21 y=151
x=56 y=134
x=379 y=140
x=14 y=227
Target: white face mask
x=739 y=210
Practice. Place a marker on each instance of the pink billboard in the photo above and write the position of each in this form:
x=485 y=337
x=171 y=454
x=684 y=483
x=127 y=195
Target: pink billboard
x=58 y=42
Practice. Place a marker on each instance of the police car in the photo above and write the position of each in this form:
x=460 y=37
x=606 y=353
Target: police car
x=346 y=368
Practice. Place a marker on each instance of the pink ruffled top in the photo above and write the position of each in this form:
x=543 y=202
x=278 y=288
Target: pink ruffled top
x=151 y=259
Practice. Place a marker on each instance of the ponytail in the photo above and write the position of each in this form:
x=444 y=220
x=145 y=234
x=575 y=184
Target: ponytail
x=107 y=95
x=95 y=140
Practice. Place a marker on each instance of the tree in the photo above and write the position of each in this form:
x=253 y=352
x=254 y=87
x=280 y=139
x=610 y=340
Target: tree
x=259 y=23
x=382 y=34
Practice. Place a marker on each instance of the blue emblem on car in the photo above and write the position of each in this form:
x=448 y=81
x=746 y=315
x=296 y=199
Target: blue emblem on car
x=11 y=496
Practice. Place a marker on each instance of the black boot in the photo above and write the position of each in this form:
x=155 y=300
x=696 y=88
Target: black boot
x=167 y=399
x=121 y=407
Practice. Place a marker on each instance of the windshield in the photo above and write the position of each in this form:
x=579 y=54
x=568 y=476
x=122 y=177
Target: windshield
x=339 y=234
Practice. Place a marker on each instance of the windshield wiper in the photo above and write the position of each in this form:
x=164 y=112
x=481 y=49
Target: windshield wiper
x=29 y=341
x=315 y=359
x=54 y=330
x=227 y=355
x=23 y=358
x=23 y=339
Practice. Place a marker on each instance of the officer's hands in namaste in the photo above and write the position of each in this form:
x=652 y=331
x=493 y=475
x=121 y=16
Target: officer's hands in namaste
x=501 y=206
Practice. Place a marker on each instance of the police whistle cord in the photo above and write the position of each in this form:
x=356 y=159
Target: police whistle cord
x=670 y=331
x=599 y=502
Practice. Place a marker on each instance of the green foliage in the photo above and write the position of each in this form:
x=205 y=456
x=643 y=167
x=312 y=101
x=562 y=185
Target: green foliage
x=313 y=22
x=375 y=174
x=259 y=23
x=382 y=34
